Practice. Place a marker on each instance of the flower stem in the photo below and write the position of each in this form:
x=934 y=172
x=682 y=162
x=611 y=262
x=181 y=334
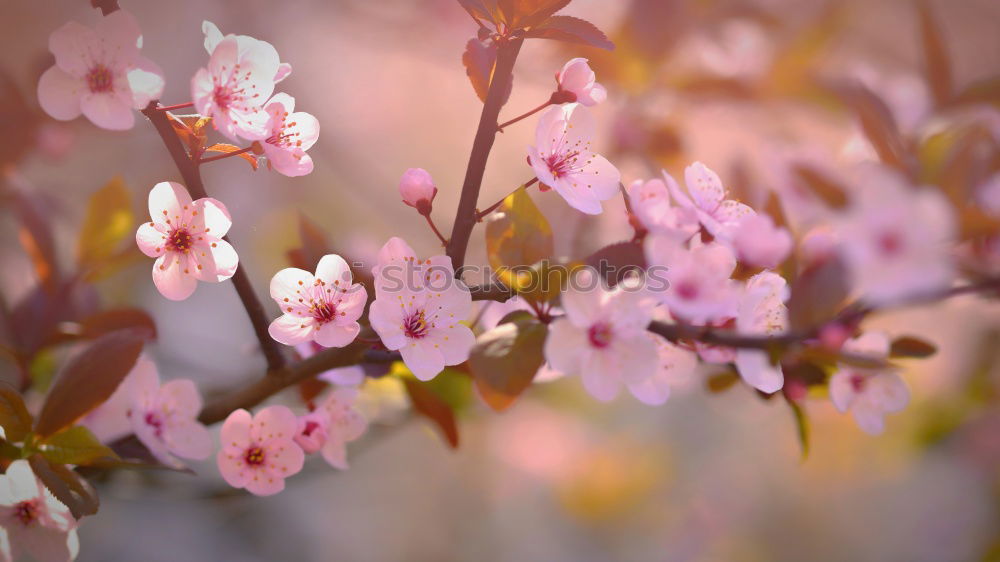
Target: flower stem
x=482 y=214
x=430 y=222
x=173 y=107
x=201 y=161
x=188 y=168
x=503 y=125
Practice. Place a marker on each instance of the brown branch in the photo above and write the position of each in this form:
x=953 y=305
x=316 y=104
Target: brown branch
x=465 y=217
x=188 y=168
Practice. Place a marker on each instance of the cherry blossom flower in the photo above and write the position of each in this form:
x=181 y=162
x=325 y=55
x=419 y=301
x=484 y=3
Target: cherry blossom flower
x=185 y=237
x=100 y=73
x=700 y=289
x=259 y=452
x=289 y=135
x=603 y=339
x=578 y=79
x=718 y=215
x=674 y=366
x=417 y=189
x=894 y=238
x=32 y=520
x=164 y=418
x=240 y=76
x=758 y=242
x=762 y=311
x=562 y=159
x=650 y=202
x=418 y=310
x=323 y=308
x=868 y=394
x=331 y=426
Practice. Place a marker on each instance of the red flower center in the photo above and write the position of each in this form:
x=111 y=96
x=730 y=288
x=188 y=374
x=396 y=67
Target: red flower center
x=26 y=512
x=600 y=335
x=99 y=79
x=179 y=240
x=415 y=326
x=561 y=165
x=324 y=312
x=857 y=382
x=890 y=243
x=254 y=456
x=154 y=421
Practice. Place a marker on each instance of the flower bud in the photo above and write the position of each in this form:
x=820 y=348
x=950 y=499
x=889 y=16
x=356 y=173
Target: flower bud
x=577 y=79
x=312 y=432
x=418 y=190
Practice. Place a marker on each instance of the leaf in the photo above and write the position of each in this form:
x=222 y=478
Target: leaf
x=615 y=261
x=434 y=408
x=818 y=294
x=66 y=485
x=877 y=123
x=35 y=235
x=109 y=221
x=910 y=346
x=191 y=130
x=481 y=10
x=517 y=235
x=136 y=320
x=571 y=30
x=87 y=380
x=801 y=426
x=505 y=359
x=230 y=149
x=824 y=187
x=75 y=445
x=937 y=66
x=529 y=13
x=480 y=59
x=14 y=416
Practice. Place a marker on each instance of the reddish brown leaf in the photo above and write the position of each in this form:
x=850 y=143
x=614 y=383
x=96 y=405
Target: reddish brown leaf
x=818 y=294
x=66 y=485
x=571 y=30
x=937 y=66
x=35 y=235
x=191 y=130
x=88 y=379
x=231 y=149
x=877 y=123
x=14 y=416
x=529 y=13
x=479 y=59
x=614 y=262
x=481 y=10
x=505 y=359
x=135 y=319
x=824 y=187
x=909 y=346
x=428 y=404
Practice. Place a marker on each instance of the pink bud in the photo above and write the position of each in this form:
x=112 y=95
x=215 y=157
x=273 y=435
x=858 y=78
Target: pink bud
x=312 y=432
x=833 y=336
x=578 y=79
x=417 y=189
x=758 y=241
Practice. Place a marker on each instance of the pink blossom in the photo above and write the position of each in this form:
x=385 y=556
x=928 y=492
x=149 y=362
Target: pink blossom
x=578 y=79
x=868 y=394
x=185 y=237
x=311 y=435
x=562 y=159
x=240 y=76
x=673 y=367
x=323 y=308
x=758 y=242
x=418 y=309
x=603 y=339
x=289 y=135
x=100 y=73
x=344 y=423
x=762 y=311
x=259 y=452
x=707 y=199
x=417 y=189
x=32 y=520
x=650 y=202
x=894 y=238
x=699 y=286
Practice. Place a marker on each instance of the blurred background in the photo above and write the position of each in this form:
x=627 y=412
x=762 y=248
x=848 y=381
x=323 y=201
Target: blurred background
x=709 y=476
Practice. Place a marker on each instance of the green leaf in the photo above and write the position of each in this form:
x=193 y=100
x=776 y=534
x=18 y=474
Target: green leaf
x=571 y=30
x=108 y=222
x=87 y=380
x=66 y=485
x=505 y=359
x=909 y=346
x=14 y=416
x=517 y=235
x=801 y=426
x=430 y=405
x=75 y=445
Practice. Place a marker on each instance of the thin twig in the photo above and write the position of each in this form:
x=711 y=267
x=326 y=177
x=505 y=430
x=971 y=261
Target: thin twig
x=430 y=222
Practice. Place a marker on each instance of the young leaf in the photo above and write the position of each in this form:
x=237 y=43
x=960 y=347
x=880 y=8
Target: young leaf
x=481 y=10
x=720 y=382
x=571 y=30
x=87 y=380
x=909 y=346
x=230 y=149
x=434 y=408
x=529 y=13
x=505 y=359
x=518 y=233
x=479 y=59
x=136 y=320
x=35 y=236
x=109 y=221
x=75 y=445
x=14 y=416
x=818 y=294
x=191 y=130
x=877 y=123
x=937 y=65
x=801 y=426
x=66 y=485
x=614 y=262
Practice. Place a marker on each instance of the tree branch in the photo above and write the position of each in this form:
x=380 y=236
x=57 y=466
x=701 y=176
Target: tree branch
x=189 y=171
x=465 y=217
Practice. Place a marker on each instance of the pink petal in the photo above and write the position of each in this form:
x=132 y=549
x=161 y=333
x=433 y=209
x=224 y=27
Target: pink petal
x=333 y=335
x=180 y=397
x=59 y=94
x=841 y=391
x=756 y=369
x=396 y=249
x=291 y=330
x=334 y=452
x=284 y=69
x=386 y=320
x=288 y=286
x=71 y=44
x=704 y=186
x=333 y=269
x=235 y=430
x=307 y=128
x=423 y=360
x=212 y=35
x=215 y=215
x=108 y=111
x=188 y=439
x=274 y=422
x=283 y=457
x=232 y=467
x=290 y=162
x=168 y=200
x=44 y=543
x=146 y=81
x=218 y=263
x=170 y=278
x=454 y=341
x=262 y=483
x=150 y=240
x=600 y=377
x=565 y=346
x=121 y=31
